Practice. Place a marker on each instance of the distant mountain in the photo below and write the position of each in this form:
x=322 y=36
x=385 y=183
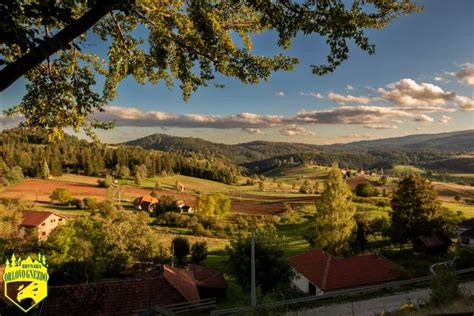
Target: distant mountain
x=462 y=141
x=258 y=150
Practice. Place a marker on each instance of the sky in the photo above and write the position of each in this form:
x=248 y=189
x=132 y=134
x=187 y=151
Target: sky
x=420 y=80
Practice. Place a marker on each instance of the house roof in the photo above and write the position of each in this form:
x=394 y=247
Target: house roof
x=35 y=218
x=183 y=281
x=469 y=223
x=208 y=277
x=468 y=233
x=356 y=180
x=434 y=240
x=110 y=298
x=330 y=273
x=145 y=199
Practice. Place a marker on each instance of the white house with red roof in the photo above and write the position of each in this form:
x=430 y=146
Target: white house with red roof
x=319 y=272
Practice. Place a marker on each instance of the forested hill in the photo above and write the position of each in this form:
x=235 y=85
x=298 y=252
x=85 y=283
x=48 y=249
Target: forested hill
x=437 y=151
x=259 y=150
x=462 y=141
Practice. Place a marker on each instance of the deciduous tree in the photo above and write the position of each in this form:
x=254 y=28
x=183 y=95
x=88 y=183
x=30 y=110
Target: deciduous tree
x=184 y=41
x=334 y=218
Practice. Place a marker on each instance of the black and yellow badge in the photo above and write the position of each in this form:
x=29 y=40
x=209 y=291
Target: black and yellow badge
x=26 y=281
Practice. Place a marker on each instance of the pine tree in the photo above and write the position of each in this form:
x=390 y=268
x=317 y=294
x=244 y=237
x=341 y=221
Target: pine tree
x=334 y=219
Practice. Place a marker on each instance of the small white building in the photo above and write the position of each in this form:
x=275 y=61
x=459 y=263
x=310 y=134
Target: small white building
x=318 y=272
x=466 y=233
x=43 y=222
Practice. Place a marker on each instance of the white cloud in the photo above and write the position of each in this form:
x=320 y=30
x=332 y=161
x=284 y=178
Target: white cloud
x=444 y=120
x=465 y=103
x=312 y=94
x=424 y=118
x=347 y=98
x=280 y=94
x=294 y=130
x=424 y=97
x=349 y=87
x=256 y=131
x=466 y=74
x=438 y=78
x=381 y=126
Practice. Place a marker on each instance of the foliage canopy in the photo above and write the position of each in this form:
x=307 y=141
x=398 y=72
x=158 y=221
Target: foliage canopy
x=170 y=41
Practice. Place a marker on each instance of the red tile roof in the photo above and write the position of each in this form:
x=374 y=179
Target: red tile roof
x=117 y=297
x=35 y=218
x=208 y=277
x=183 y=281
x=331 y=273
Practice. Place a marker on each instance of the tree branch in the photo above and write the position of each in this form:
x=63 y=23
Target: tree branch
x=48 y=47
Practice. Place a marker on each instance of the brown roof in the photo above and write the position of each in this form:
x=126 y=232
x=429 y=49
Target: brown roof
x=35 y=218
x=468 y=233
x=122 y=297
x=208 y=277
x=356 y=180
x=469 y=223
x=183 y=281
x=330 y=273
x=435 y=240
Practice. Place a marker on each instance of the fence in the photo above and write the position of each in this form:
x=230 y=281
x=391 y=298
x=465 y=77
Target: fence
x=347 y=292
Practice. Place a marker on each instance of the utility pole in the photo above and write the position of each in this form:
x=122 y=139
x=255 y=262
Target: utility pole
x=252 y=271
x=172 y=254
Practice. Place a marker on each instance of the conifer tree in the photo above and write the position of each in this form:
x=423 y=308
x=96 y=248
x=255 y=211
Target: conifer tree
x=45 y=174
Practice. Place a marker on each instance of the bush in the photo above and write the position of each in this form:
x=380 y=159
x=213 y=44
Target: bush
x=77 y=203
x=105 y=183
x=90 y=203
x=180 y=245
x=199 y=252
x=174 y=220
x=366 y=189
x=61 y=195
x=445 y=287
x=13 y=176
x=199 y=230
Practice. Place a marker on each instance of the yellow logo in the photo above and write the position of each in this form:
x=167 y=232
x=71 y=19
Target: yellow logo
x=26 y=281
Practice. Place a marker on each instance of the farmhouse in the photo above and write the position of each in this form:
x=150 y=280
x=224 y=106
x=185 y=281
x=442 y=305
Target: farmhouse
x=164 y=288
x=433 y=244
x=183 y=207
x=319 y=272
x=145 y=203
x=466 y=233
x=44 y=222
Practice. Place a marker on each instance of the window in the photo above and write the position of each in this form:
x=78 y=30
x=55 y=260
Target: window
x=43 y=224
x=43 y=234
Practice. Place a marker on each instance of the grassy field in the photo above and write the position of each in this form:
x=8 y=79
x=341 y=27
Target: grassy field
x=404 y=169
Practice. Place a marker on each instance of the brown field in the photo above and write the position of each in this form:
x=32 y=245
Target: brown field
x=264 y=204
x=40 y=190
x=447 y=191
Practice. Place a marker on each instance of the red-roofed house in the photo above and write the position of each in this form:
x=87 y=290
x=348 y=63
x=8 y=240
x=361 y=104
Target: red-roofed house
x=44 y=222
x=145 y=203
x=210 y=281
x=319 y=272
x=433 y=244
x=466 y=233
x=128 y=297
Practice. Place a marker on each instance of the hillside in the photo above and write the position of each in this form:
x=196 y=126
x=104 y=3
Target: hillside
x=462 y=141
x=436 y=151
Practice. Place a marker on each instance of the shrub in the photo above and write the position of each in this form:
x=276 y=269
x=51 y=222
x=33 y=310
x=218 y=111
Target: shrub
x=366 y=189
x=13 y=176
x=105 y=183
x=199 y=230
x=61 y=196
x=445 y=287
x=90 y=203
x=199 y=252
x=173 y=220
x=180 y=246
x=77 y=203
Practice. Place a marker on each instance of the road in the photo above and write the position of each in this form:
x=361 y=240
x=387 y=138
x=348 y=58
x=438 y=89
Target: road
x=376 y=305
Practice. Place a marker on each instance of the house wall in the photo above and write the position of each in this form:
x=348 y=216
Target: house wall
x=48 y=225
x=300 y=282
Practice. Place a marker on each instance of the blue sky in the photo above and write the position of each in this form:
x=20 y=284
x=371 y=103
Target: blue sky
x=421 y=80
